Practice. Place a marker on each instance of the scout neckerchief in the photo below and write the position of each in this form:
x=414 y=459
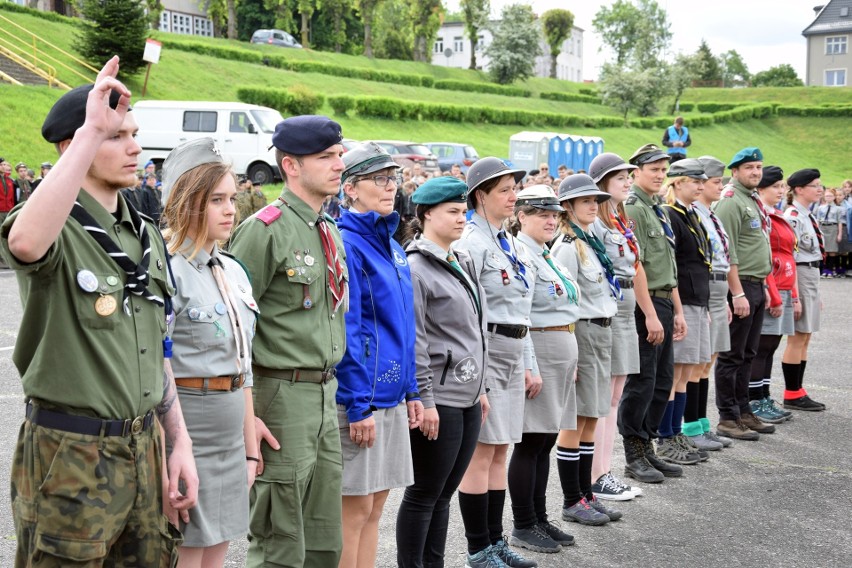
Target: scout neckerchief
x=765 y=221
x=720 y=232
x=451 y=260
x=520 y=269
x=664 y=221
x=137 y=274
x=233 y=311
x=818 y=234
x=622 y=227
x=570 y=287
x=600 y=251
x=336 y=284
x=698 y=231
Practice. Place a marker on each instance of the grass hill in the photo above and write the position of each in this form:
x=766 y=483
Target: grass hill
x=791 y=142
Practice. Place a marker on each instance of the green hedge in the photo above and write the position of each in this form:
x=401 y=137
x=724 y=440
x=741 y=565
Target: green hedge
x=52 y=16
x=815 y=111
x=686 y=107
x=736 y=114
x=341 y=104
x=297 y=100
x=473 y=86
x=569 y=97
x=717 y=107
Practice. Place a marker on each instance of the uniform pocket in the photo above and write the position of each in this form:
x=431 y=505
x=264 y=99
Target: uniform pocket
x=274 y=498
x=593 y=278
x=75 y=550
x=170 y=541
x=101 y=308
x=207 y=325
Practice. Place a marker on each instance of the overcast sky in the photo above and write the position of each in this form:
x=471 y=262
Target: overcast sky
x=765 y=32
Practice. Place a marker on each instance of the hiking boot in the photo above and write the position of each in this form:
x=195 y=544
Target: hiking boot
x=772 y=405
x=510 y=557
x=611 y=512
x=485 y=558
x=713 y=437
x=765 y=414
x=667 y=469
x=752 y=423
x=686 y=443
x=703 y=442
x=534 y=538
x=583 y=513
x=669 y=450
x=605 y=488
x=637 y=465
x=737 y=430
x=559 y=536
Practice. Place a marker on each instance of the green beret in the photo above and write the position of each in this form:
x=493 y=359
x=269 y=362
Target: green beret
x=443 y=189
x=745 y=156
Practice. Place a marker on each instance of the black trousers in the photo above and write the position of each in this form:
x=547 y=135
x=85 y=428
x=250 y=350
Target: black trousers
x=647 y=392
x=733 y=368
x=439 y=465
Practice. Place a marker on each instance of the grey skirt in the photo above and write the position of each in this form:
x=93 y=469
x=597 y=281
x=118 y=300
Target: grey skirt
x=594 y=376
x=807 y=279
x=215 y=424
x=387 y=464
x=783 y=324
x=845 y=246
x=720 y=329
x=625 y=342
x=829 y=237
x=555 y=408
x=694 y=349
x=504 y=376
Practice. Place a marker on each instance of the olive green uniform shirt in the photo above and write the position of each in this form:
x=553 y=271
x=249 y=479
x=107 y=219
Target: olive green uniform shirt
x=655 y=253
x=288 y=272
x=244 y=205
x=108 y=366
x=748 y=244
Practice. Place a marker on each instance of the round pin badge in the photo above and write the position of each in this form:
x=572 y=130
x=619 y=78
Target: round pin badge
x=309 y=260
x=291 y=272
x=112 y=280
x=194 y=314
x=87 y=281
x=220 y=308
x=308 y=303
x=105 y=306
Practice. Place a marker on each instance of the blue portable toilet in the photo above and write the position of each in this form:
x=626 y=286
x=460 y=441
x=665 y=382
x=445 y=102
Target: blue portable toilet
x=553 y=157
x=579 y=154
x=566 y=155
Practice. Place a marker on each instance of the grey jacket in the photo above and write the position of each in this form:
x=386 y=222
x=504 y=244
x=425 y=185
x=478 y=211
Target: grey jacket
x=451 y=344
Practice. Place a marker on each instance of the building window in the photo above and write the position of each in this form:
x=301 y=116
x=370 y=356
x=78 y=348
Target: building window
x=835 y=45
x=579 y=47
x=202 y=27
x=439 y=45
x=835 y=78
x=458 y=44
x=181 y=23
x=480 y=43
x=165 y=21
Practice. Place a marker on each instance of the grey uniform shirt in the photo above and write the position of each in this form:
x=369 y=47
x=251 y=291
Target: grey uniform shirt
x=596 y=300
x=720 y=262
x=799 y=218
x=549 y=309
x=203 y=338
x=618 y=250
x=831 y=214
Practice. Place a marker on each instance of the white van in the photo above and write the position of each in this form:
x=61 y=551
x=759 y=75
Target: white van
x=243 y=132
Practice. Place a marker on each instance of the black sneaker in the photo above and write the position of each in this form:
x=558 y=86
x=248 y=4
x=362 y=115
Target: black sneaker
x=510 y=557
x=803 y=403
x=612 y=513
x=561 y=537
x=534 y=538
x=485 y=558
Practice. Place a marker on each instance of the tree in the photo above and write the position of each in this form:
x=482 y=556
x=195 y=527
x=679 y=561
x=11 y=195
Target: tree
x=734 y=70
x=707 y=67
x=155 y=8
x=627 y=90
x=393 y=35
x=425 y=18
x=475 y=18
x=332 y=34
x=557 y=25
x=681 y=76
x=253 y=15
x=116 y=27
x=366 y=8
x=514 y=46
x=638 y=33
x=306 y=10
x=779 y=76
x=283 y=10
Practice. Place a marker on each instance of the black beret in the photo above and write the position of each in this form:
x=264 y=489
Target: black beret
x=771 y=175
x=69 y=113
x=802 y=178
x=306 y=134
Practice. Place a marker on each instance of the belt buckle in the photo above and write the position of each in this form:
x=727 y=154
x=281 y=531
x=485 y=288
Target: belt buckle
x=137 y=425
x=235 y=382
x=607 y=322
x=572 y=327
x=328 y=374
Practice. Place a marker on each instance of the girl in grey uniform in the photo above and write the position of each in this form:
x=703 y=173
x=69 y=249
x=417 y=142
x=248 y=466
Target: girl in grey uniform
x=507 y=275
x=831 y=218
x=551 y=404
x=585 y=255
x=612 y=227
x=213 y=327
x=450 y=358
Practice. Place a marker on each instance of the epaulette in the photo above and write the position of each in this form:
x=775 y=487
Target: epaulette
x=729 y=193
x=268 y=214
x=569 y=238
x=794 y=212
x=238 y=261
x=631 y=199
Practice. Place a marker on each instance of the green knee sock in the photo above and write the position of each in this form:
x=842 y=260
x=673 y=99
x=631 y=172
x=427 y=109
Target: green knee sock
x=693 y=428
x=705 y=424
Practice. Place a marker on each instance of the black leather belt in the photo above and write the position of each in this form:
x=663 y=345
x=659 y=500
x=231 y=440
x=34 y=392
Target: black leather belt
x=513 y=331
x=296 y=375
x=812 y=264
x=625 y=284
x=603 y=322
x=751 y=279
x=664 y=294
x=719 y=276
x=88 y=426
x=824 y=224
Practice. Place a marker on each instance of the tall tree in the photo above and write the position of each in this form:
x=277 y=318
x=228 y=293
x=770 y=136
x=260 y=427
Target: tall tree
x=253 y=15
x=779 y=76
x=631 y=90
x=709 y=72
x=637 y=33
x=337 y=10
x=681 y=76
x=734 y=70
x=475 y=18
x=557 y=25
x=393 y=35
x=117 y=27
x=514 y=46
x=367 y=8
x=306 y=10
x=283 y=10
x=155 y=8
x=425 y=21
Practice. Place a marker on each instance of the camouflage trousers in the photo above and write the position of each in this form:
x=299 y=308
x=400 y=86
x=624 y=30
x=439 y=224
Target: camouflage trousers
x=81 y=500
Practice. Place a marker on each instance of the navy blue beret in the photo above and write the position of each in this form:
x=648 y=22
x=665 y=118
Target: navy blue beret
x=306 y=134
x=69 y=113
x=802 y=178
x=442 y=189
x=771 y=175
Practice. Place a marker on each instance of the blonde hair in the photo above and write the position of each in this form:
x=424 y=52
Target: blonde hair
x=186 y=208
x=671 y=199
x=566 y=229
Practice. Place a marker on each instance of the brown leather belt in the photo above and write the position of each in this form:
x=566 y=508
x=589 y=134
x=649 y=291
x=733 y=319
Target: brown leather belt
x=569 y=328
x=211 y=383
x=296 y=375
x=664 y=294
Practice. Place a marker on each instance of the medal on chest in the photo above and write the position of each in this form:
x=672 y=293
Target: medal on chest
x=105 y=305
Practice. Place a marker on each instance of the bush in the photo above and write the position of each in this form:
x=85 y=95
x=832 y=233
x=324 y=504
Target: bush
x=686 y=107
x=815 y=111
x=642 y=122
x=716 y=107
x=298 y=100
x=569 y=97
x=304 y=100
x=52 y=16
x=590 y=92
x=450 y=85
x=341 y=104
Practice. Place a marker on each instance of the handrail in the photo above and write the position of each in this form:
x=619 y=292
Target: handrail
x=10 y=79
x=49 y=75
x=44 y=55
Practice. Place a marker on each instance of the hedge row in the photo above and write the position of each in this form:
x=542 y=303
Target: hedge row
x=52 y=16
x=717 y=107
x=295 y=101
x=398 y=109
x=450 y=85
x=814 y=111
x=569 y=97
x=738 y=113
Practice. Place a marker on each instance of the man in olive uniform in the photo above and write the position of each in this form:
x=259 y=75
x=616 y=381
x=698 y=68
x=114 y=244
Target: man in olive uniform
x=659 y=321
x=244 y=201
x=90 y=352
x=297 y=263
x=747 y=224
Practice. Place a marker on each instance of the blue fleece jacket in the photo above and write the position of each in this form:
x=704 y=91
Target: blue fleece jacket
x=377 y=370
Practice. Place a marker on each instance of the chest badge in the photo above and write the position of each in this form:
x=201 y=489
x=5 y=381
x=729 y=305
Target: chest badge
x=87 y=281
x=220 y=308
x=105 y=306
x=309 y=260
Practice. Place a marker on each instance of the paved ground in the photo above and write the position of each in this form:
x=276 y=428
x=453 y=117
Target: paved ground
x=782 y=501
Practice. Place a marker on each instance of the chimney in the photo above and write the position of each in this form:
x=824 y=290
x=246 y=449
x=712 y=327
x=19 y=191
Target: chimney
x=817 y=9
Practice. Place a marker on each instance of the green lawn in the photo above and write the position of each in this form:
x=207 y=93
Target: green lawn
x=782 y=95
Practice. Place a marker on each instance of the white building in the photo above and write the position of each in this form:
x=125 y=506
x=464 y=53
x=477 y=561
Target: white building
x=452 y=49
x=185 y=17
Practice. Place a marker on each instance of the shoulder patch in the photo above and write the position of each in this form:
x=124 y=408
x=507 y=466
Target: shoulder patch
x=793 y=212
x=268 y=214
x=728 y=193
x=631 y=199
x=568 y=239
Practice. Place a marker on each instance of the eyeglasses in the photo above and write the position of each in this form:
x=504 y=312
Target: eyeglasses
x=815 y=185
x=382 y=181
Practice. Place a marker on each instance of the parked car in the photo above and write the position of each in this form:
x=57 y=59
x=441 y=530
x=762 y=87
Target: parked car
x=450 y=153
x=275 y=37
x=348 y=144
x=406 y=154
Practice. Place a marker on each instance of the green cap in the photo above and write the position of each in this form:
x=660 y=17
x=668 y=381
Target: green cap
x=443 y=189
x=745 y=156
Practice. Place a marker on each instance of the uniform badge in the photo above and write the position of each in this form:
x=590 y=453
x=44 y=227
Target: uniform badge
x=309 y=260
x=87 y=281
x=112 y=280
x=105 y=305
x=400 y=259
x=754 y=223
x=220 y=308
x=291 y=272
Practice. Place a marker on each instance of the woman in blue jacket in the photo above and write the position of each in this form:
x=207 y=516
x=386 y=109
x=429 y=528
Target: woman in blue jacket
x=377 y=388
